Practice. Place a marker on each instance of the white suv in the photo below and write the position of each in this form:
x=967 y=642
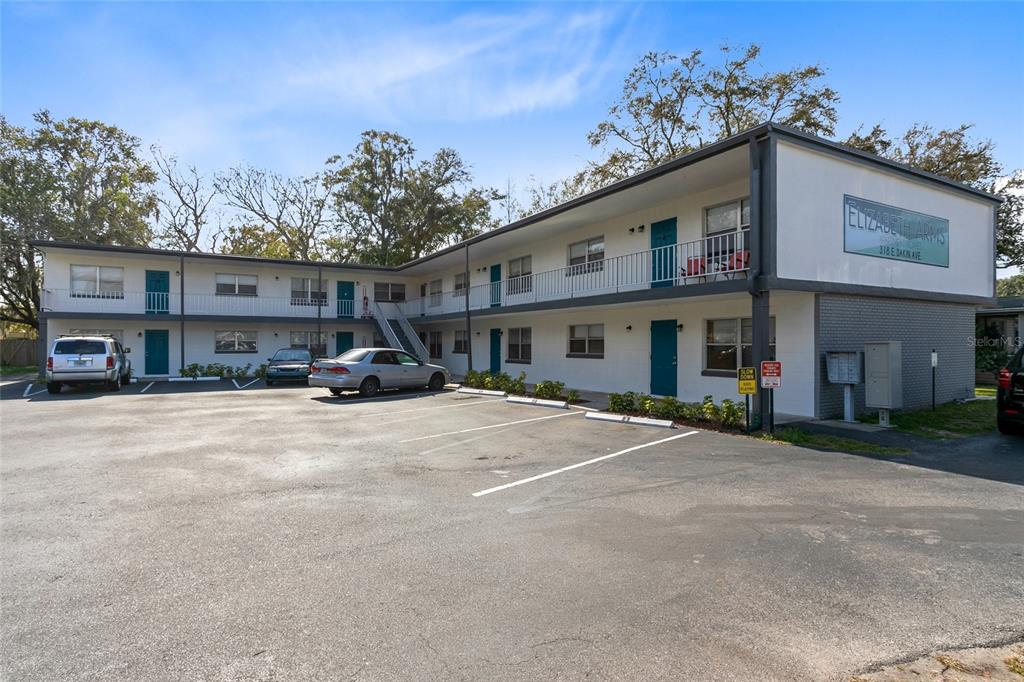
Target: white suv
x=87 y=359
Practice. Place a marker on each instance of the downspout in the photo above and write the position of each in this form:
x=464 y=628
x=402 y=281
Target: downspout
x=181 y=307
x=469 y=330
x=319 y=308
x=759 y=295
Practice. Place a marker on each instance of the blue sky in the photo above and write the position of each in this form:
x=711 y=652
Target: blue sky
x=513 y=87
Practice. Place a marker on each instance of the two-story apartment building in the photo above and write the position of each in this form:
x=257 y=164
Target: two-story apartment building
x=770 y=244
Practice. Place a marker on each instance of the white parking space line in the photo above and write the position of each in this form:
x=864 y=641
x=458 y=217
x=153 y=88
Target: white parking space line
x=490 y=426
x=235 y=383
x=462 y=403
x=580 y=464
x=148 y=386
x=35 y=393
x=246 y=385
x=27 y=389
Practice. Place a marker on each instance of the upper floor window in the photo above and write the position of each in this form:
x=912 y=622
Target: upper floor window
x=97 y=281
x=519 y=279
x=435 y=292
x=460 y=284
x=728 y=217
x=586 y=256
x=388 y=291
x=236 y=285
x=309 y=291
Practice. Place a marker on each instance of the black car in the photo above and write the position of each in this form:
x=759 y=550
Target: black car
x=289 y=364
x=1010 y=396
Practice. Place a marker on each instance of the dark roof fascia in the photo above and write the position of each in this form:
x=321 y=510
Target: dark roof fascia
x=814 y=140
x=42 y=243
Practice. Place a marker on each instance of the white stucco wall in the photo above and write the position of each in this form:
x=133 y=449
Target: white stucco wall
x=626 y=365
x=811 y=185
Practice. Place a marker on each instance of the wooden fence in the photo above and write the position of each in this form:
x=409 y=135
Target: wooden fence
x=19 y=352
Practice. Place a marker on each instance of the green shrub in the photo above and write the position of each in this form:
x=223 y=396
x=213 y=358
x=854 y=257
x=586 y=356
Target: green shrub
x=645 y=404
x=261 y=372
x=732 y=414
x=550 y=390
x=573 y=396
x=473 y=379
x=517 y=386
x=191 y=371
x=668 y=408
x=709 y=412
x=624 y=403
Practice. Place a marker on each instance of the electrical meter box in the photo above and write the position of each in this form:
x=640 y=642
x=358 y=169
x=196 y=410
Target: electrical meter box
x=844 y=367
x=883 y=375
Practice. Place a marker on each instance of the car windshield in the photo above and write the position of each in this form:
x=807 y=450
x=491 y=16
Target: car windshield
x=354 y=355
x=293 y=354
x=80 y=347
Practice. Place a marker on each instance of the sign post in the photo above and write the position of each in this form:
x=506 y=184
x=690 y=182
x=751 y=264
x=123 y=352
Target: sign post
x=747 y=384
x=771 y=379
x=935 y=363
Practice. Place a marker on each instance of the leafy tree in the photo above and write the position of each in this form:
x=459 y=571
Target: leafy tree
x=247 y=239
x=74 y=180
x=953 y=154
x=183 y=208
x=671 y=105
x=295 y=211
x=1010 y=287
x=392 y=208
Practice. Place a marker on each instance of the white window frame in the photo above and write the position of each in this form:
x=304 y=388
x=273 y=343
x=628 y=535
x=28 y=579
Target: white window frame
x=308 y=337
x=434 y=292
x=460 y=333
x=392 y=288
x=461 y=284
x=740 y=225
x=308 y=300
x=96 y=291
x=438 y=337
x=521 y=283
x=739 y=345
x=236 y=332
x=236 y=275
x=588 y=340
x=589 y=264
x=517 y=334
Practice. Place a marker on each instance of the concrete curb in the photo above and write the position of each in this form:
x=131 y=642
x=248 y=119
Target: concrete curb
x=626 y=419
x=480 y=391
x=540 y=402
x=194 y=379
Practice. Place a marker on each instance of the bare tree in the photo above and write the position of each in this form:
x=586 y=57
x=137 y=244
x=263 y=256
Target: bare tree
x=182 y=212
x=295 y=209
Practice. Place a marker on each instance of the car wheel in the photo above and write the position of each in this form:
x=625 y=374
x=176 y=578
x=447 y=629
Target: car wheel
x=115 y=383
x=436 y=382
x=1007 y=429
x=270 y=382
x=53 y=387
x=369 y=387
x=335 y=392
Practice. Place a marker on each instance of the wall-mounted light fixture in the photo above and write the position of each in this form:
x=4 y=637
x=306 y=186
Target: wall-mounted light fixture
x=679 y=327
x=177 y=274
x=276 y=277
x=640 y=228
x=629 y=327
x=140 y=335
x=275 y=334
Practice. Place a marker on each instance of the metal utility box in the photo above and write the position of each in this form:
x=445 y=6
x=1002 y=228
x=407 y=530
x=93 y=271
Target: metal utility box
x=883 y=375
x=844 y=367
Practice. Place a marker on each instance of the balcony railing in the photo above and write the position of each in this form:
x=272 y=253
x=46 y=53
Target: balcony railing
x=715 y=258
x=161 y=303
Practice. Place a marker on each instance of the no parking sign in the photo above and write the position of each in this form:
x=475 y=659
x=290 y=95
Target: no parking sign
x=771 y=374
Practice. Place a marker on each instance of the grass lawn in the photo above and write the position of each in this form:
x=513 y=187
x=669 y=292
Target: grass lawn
x=952 y=420
x=796 y=436
x=984 y=391
x=8 y=370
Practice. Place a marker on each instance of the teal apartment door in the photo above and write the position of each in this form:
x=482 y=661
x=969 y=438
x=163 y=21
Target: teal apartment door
x=663 y=257
x=346 y=299
x=664 y=363
x=158 y=292
x=496 y=285
x=495 y=351
x=158 y=348
x=343 y=341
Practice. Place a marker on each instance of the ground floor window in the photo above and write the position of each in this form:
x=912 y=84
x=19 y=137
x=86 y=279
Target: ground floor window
x=113 y=333
x=729 y=341
x=520 y=346
x=316 y=343
x=460 y=341
x=586 y=341
x=434 y=344
x=234 y=341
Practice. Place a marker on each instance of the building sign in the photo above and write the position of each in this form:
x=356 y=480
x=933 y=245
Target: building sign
x=873 y=229
x=771 y=374
x=747 y=377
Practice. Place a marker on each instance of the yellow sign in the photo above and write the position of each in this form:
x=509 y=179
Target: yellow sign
x=747 y=377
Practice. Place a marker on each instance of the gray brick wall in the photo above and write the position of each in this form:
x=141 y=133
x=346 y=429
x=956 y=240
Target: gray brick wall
x=847 y=322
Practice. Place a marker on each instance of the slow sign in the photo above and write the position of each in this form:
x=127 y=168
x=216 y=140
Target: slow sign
x=771 y=374
x=747 y=378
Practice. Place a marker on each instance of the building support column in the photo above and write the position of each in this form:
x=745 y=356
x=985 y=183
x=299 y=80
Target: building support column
x=319 y=308
x=42 y=345
x=762 y=264
x=181 y=308
x=469 y=330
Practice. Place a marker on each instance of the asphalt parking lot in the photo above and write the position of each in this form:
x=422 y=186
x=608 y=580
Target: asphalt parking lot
x=211 y=532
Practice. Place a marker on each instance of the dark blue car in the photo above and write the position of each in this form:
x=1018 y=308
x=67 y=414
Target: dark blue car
x=289 y=364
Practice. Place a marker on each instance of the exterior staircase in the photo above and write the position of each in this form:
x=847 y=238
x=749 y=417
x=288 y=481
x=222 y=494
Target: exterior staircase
x=399 y=333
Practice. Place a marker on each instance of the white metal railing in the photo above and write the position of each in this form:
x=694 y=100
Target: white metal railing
x=719 y=257
x=392 y=312
x=385 y=326
x=151 y=302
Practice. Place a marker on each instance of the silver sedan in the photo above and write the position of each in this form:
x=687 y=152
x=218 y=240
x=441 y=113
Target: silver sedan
x=371 y=369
